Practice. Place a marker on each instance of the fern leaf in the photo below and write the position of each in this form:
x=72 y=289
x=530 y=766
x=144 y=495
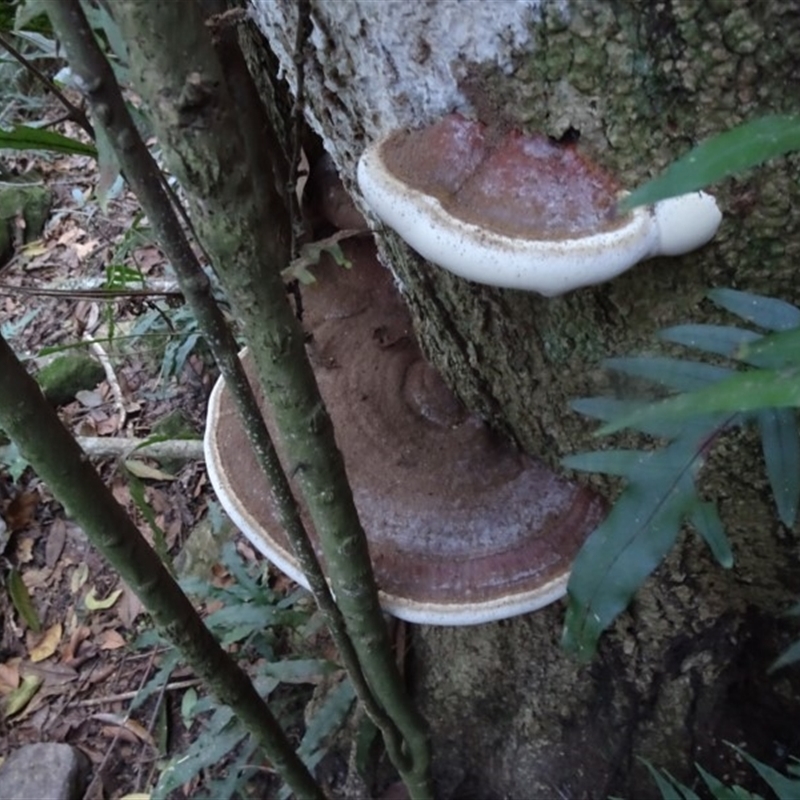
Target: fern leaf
x=328 y=718
x=609 y=409
x=791 y=655
x=669 y=788
x=781 y=445
x=624 y=463
x=743 y=391
x=722 y=792
x=731 y=152
x=766 y=312
x=721 y=340
x=629 y=544
x=705 y=520
x=775 y=351
x=782 y=786
x=674 y=373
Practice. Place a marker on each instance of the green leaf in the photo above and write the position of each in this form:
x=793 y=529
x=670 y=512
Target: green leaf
x=23 y=137
x=310 y=255
x=782 y=786
x=169 y=661
x=789 y=656
x=728 y=153
x=121 y=276
x=781 y=445
x=137 y=490
x=232 y=782
x=705 y=520
x=723 y=340
x=207 y=750
x=628 y=545
x=188 y=703
x=17 y=700
x=21 y=599
x=100 y=19
x=250 y=581
x=612 y=409
x=13 y=461
x=745 y=391
x=722 y=792
x=766 y=312
x=775 y=351
x=604 y=408
x=300 y=670
x=665 y=786
x=793 y=767
x=674 y=373
x=624 y=463
x=252 y=616
x=328 y=718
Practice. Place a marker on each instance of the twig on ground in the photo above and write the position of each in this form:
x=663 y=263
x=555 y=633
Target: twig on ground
x=111 y=377
x=122 y=696
x=103 y=446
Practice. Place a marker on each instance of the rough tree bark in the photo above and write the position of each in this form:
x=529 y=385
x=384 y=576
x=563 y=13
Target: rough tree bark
x=639 y=82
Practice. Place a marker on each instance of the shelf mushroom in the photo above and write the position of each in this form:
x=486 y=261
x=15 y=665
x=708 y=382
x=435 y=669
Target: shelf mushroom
x=519 y=211
x=462 y=528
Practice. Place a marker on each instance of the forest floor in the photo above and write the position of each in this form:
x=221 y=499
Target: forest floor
x=73 y=657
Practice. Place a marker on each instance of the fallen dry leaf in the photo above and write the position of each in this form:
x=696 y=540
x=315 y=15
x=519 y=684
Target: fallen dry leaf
x=54 y=545
x=79 y=634
x=87 y=428
x=37 y=578
x=214 y=605
x=148 y=257
x=9 y=676
x=129 y=606
x=52 y=674
x=48 y=644
x=146 y=472
x=89 y=398
x=69 y=235
x=20 y=511
x=108 y=426
x=79 y=577
x=121 y=724
x=246 y=551
x=82 y=250
x=36 y=248
x=110 y=640
x=118 y=732
x=121 y=492
x=24 y=550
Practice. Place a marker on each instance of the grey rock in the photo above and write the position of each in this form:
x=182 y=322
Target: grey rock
x=45 y=771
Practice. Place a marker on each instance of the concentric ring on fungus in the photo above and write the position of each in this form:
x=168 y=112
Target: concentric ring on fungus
x=462 y=528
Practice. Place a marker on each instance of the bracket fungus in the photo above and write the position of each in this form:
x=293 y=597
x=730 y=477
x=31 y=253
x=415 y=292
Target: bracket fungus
x=462 y=528
x=519 y=211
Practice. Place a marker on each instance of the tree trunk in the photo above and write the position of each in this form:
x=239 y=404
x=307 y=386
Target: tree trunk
x=639 y=82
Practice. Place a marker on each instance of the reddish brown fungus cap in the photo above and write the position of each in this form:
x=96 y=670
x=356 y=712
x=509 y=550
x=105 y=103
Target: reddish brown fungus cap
x=461 y=527
x=516 y=184
x=519 y=211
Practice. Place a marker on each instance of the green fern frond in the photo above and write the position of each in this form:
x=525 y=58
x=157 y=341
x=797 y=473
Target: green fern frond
x=760 y=387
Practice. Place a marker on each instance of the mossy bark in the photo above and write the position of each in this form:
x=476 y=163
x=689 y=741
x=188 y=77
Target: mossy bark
x=639 y=82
